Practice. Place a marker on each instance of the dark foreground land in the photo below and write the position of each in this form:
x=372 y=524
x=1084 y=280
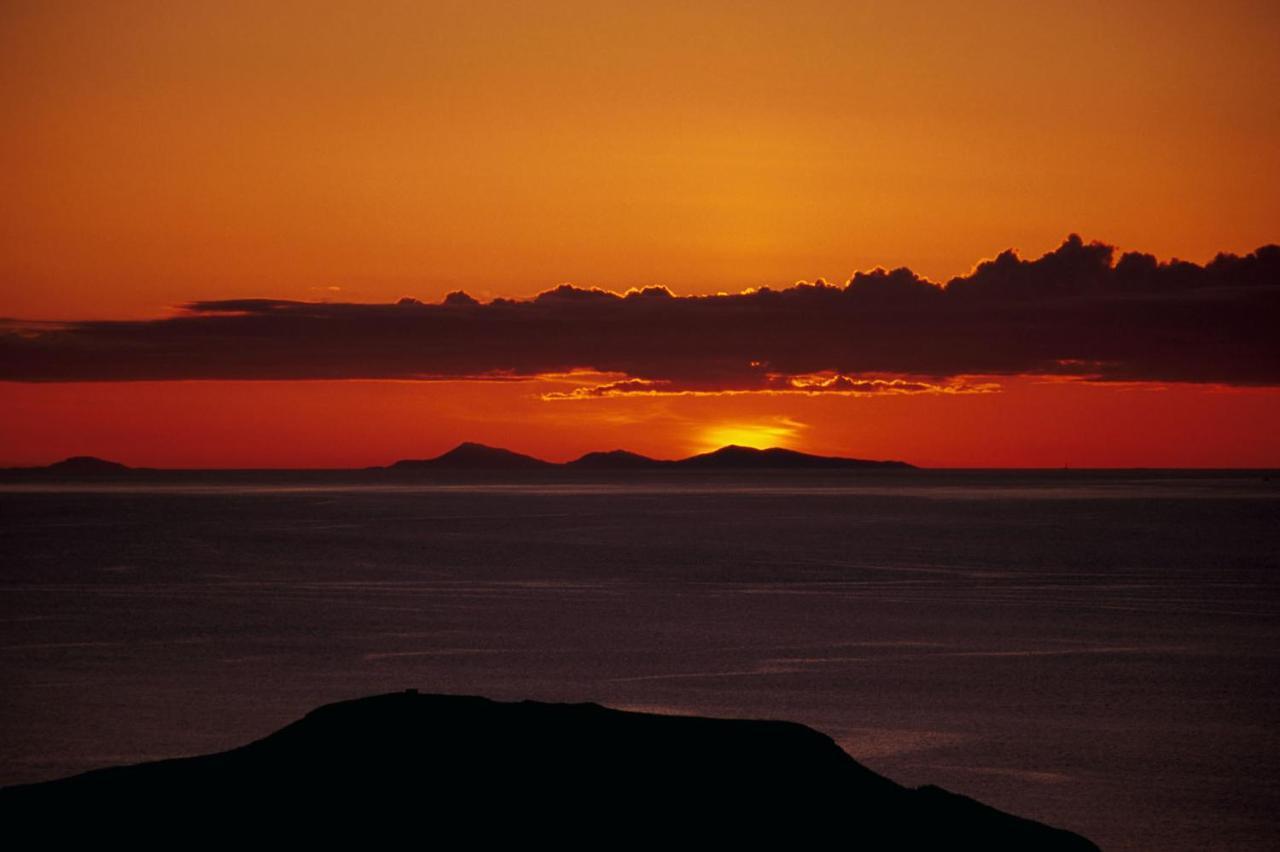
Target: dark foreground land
x=433 y=762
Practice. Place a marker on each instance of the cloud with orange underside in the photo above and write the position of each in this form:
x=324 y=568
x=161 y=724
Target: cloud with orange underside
x=1077 y=312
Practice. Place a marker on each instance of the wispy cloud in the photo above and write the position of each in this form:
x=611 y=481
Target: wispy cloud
x=820 y=384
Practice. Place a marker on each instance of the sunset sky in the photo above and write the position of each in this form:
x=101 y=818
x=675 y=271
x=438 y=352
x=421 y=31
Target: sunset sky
x=213 y=211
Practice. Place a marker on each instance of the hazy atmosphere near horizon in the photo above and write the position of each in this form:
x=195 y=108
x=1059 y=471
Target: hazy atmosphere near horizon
x=252 y=255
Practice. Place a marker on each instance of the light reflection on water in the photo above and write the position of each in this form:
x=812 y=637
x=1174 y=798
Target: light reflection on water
x=1094 y=650
x=1229 y=488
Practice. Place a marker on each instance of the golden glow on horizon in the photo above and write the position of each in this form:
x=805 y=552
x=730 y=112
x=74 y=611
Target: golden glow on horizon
x=361 y=423
x=779 y=433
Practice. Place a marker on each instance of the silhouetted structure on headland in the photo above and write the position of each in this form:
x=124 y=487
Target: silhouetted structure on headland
x=435 y=763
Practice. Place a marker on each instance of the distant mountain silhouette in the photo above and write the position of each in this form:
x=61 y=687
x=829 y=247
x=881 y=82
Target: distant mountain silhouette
x=479 y=457
x=78 y=466
x=735 y=457
x=438 y=764
x=471 y=456
x=616 y=460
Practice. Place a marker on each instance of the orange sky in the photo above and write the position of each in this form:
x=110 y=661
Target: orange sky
x=156 y=153
x=353 y=424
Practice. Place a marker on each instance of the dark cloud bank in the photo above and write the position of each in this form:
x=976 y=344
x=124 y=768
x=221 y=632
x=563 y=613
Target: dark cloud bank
x=1075 y=312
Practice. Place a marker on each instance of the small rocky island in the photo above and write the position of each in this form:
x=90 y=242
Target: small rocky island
x=75 y=466
x=482 y=769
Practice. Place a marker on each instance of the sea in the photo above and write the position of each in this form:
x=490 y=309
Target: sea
x=1098 y=650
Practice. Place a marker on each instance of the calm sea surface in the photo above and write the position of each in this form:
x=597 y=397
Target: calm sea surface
x=1096 y=650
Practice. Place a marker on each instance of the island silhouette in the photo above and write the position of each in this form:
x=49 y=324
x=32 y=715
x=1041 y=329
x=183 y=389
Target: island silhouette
x=436 y=763
x=81 y=466
x=471 y=456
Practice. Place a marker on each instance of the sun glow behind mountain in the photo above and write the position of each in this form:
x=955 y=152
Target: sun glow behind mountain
x=760 y=436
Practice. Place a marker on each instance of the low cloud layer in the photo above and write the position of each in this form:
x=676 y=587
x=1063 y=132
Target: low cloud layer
x=1077 y=311
x=813 y=385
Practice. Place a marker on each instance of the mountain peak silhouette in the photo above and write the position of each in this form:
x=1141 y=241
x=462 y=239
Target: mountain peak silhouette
x=735 y=456
x=616 y=460
x=81 y=466
x=472 y=456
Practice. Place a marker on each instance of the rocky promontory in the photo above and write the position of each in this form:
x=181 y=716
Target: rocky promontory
x=445 y=766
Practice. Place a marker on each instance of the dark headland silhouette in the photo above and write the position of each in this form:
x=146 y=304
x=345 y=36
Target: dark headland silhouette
x=433 y=763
